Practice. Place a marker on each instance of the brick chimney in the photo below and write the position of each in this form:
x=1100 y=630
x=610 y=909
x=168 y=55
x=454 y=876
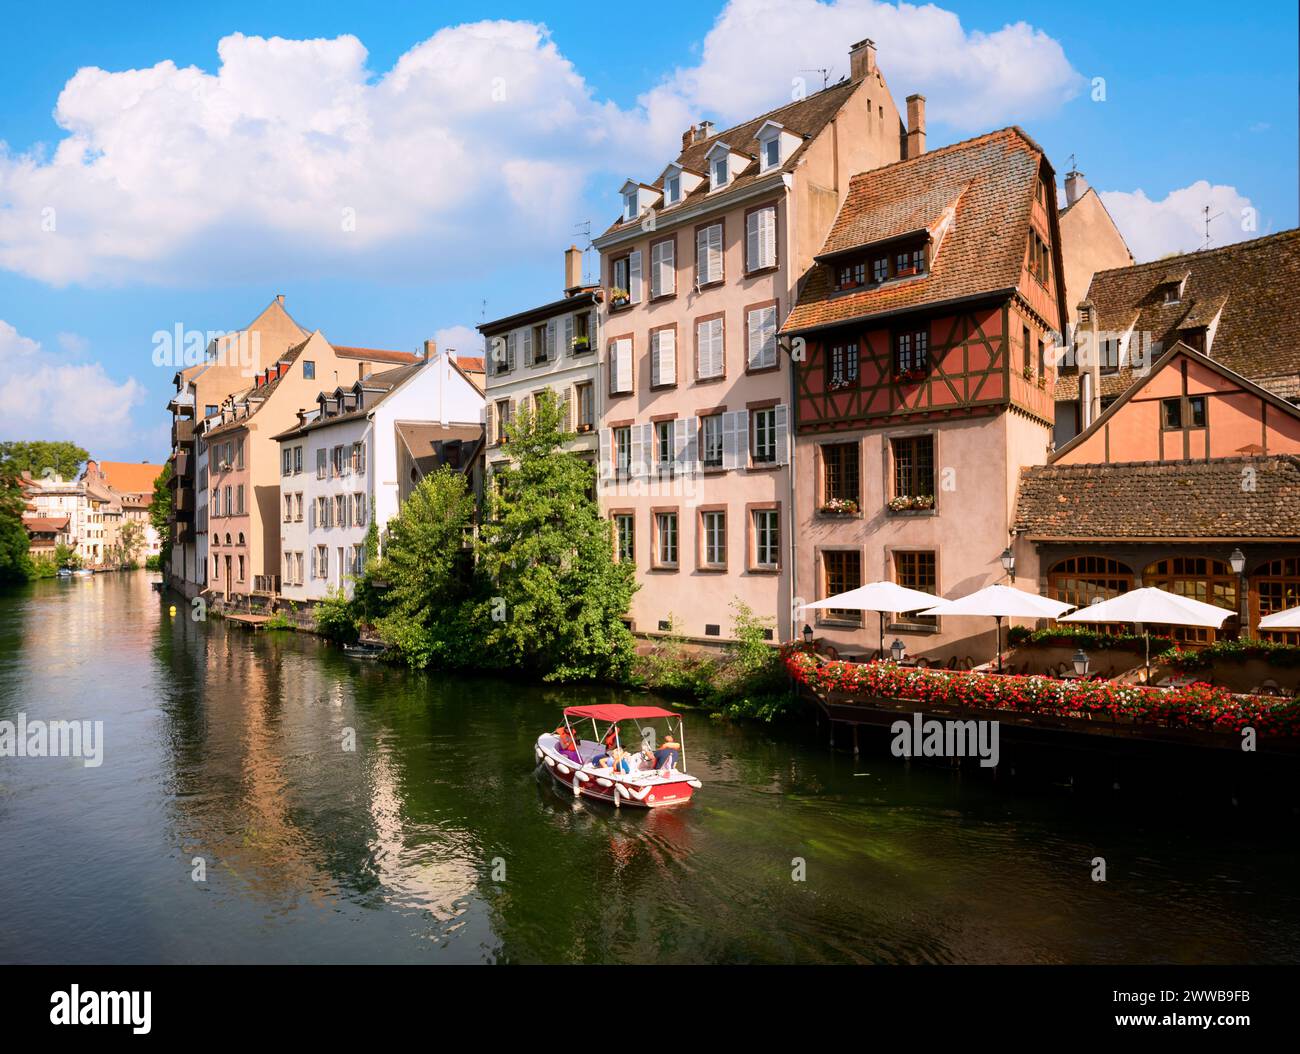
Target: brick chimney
x=279 y=299
x=688 y=137
x=862 y=59
x=1075 y=186
x=430 y=350
x=572 y=269
x=302 y=417
x=915 y=125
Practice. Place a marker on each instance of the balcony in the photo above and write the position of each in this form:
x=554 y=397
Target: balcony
x=183 y=469
x=182 y=431
x=184 y=533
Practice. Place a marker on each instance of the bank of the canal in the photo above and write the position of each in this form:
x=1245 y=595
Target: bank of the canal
x=435 y=840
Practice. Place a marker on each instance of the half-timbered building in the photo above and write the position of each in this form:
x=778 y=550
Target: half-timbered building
x=924 y=369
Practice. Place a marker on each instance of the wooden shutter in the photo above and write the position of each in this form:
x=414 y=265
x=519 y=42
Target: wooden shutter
x=622 y=365
x=781 y=416
x=691 y=449
x=528 y=346
x=702 y=256
x=767 y=236
x=753 y=242
x=549 y=350
x=665 y=275
x=654 y=359
x=568 y=410
x=762 y=337
x=734 y=433
x=667 y=356
x=680 y=426
x=709 y=337
x=566 y=340
x=634 y=277
x=638 y=451
x=489 y=423
x=606 y=453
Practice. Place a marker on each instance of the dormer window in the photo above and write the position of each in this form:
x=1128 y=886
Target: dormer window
x=909 y=262
x=720 y=172
x=772 y=153
x=630 y=206
x=1171 y=294
x=672 y=190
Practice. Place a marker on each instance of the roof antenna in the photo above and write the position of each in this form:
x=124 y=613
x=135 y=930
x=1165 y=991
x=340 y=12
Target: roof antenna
x=826 y=74
x=584 y=228
x=1208 y=219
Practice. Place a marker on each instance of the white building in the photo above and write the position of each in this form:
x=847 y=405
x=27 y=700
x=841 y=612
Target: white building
x=556 y=346
x=355 y=457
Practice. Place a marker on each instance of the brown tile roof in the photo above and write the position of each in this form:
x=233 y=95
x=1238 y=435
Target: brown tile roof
x=45 y=524
x=375 y=354
x=470 y=363
x=806 y=117
x=258 y=394
x=1255 y=282
x=991 y=178
x=427 y=442
x=379 y=385
x=1175 y=499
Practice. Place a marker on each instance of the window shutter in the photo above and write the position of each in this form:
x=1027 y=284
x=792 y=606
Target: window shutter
x=702 y=256
x=623 y=361
x=667 y=356
x=767 y=237
x=567 y=339
x=656 y=275
x=606 y=453
x=638 y=451
x=755 y=337
x=634 y=277
x=311 y=520
x=691 y=449
x=710 y=345
x=781 y=415
x=489 y=423
x=528 y=346
x=549 y=350
x=753 y=242
x=654 y=359
x=362 y=459
x=734 y=427
x=568 y=410
x=666 y=269
x=679 y=442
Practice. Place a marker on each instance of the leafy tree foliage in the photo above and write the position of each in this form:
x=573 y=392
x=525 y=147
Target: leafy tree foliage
x=558 y=596
x=60 y=457
x=15 y=564
x=160 y=515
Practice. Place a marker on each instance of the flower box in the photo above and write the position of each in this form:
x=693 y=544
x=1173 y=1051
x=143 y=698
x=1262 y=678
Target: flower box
x=580 y=344
x=840 y=507
x=917 y=373
x=910 y=503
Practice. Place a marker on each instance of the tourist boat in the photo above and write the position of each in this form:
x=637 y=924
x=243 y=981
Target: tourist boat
x=644 y=789
x=65 y=572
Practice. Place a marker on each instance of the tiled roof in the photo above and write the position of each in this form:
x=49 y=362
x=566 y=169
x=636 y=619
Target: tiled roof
x=387 y=380
x=376 y=354
x=427 y=442
x=1255 y=282
x=45 y=524
x=991 y=178
x=258 y=394
x=806 y=117
x=1175 y=499
x=470 y=363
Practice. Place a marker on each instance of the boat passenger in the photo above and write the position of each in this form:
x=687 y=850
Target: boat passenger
x=566 y=744
x=667 y=754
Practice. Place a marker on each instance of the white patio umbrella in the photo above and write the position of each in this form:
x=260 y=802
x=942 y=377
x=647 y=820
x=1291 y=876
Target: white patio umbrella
x=880 y=597
x=1143 y=607
x=999 y=602
x=1288 y=619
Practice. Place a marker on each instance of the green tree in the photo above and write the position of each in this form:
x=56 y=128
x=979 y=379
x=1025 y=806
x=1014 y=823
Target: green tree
x=160 y=516
x=62 y=458
x=558 y=595
x=422 y=587
x=15 y=563
x=131 y=540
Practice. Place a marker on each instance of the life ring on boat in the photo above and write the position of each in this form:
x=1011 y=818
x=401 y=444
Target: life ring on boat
x=551 y=762
x=564 y=769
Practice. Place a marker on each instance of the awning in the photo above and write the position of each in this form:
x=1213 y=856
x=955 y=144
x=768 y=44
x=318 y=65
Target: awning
x=616 y=712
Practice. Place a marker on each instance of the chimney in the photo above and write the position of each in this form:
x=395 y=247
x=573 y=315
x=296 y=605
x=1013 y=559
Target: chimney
x=302 y=417
x=430 y=350
x=279 y=299
x=1075 y=186
x=572 y=268
x=862 y=59
x=915 y=126
x=703 y=131
x=688 y=137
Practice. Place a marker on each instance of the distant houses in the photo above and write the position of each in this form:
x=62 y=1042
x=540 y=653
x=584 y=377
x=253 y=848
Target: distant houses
x=87 y=515
x=813 y=350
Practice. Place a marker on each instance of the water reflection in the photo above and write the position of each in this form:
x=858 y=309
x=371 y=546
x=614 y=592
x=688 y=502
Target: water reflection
x=436 y=840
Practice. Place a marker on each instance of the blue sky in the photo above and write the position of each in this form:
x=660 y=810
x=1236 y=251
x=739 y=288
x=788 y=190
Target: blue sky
x=184 y=197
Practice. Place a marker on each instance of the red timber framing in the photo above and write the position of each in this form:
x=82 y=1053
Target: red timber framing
x=969 y=372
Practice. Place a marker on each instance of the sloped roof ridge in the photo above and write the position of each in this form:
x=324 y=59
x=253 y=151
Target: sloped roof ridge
x=1249 y=245
x=838 y=85
x=1011 y=128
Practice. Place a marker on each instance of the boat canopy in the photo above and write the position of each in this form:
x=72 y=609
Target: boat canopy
x=617 y=712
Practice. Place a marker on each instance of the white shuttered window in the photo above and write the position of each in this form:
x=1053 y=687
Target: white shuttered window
x=620 y=366
x=708 y=254
x=762 y=337
x=709 y=348
x=760 y=239
x=663 y=357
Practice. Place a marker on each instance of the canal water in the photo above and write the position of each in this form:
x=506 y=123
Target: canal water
x=436 y=841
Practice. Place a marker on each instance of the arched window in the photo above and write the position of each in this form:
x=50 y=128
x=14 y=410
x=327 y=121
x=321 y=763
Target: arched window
x=1200 y=578
x=227 y=539
x=1082 y=579
x=1276 y=586
x=241 y=537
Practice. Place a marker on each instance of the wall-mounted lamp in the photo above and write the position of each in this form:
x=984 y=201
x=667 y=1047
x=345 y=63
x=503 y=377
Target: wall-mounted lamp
x=897 y=650
x=1009 y=562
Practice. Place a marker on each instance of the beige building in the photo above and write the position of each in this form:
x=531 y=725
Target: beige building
x=699 y=273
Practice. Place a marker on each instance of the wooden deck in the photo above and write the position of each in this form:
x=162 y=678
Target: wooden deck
x=245 y=619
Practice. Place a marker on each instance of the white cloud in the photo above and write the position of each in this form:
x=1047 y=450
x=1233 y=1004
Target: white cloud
x=73 y=343
x=294 y=157
x=972 y=80
x=465 y=340
x=1176 y=222
x=43 y=398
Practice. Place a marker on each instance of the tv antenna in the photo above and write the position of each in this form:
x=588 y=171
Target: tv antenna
x=1208 y=220
x=584 y=229
x=824 y=71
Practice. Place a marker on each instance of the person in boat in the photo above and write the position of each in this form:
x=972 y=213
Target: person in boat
x=667 y=754
x=567 y=744
x=616 y=760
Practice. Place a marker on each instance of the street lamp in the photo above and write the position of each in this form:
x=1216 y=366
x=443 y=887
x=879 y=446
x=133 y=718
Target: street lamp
x=1080 y=662
x=807 y=633
x=897 y=649
x=1237 y=560
x=1009 y=562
